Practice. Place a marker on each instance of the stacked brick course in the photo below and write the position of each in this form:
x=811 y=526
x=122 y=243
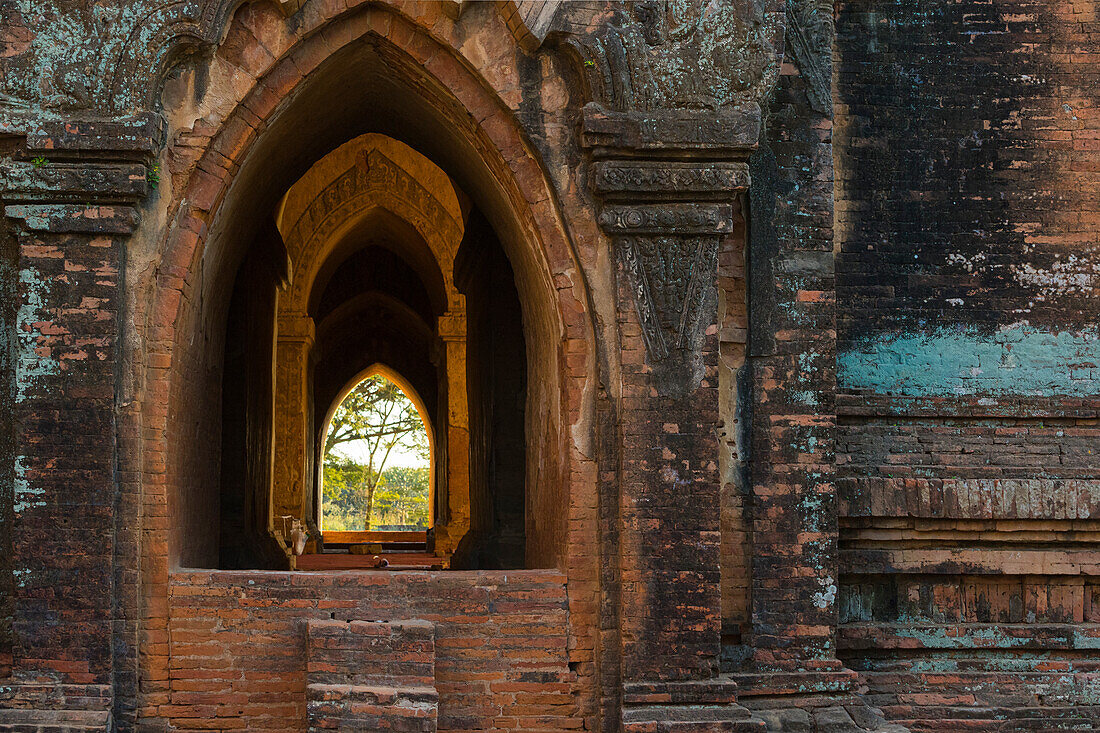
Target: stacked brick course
x=363 y=675
x=967 y=228
x=246 y=646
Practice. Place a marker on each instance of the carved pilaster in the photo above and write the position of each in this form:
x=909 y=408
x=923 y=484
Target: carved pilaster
x=297 y=334
x=667 y=182
x=454 y=495
x=667 y=185
x=70 y=194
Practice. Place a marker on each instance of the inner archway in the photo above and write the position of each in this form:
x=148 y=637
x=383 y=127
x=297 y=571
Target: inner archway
x=389 y=263
x=376 y=464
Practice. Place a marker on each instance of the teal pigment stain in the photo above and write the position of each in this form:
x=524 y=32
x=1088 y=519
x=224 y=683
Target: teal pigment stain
x=1017 y=360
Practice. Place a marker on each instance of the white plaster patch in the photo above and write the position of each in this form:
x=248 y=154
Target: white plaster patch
x=1073 y=276
x=967 y=263
x=827 y=595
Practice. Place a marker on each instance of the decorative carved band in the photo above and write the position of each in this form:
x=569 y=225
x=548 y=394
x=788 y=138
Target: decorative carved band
x=661 y=178
x=683 y=219
x=376 y=173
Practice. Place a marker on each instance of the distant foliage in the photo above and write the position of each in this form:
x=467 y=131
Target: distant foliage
x=379 y=418
x=401 y=499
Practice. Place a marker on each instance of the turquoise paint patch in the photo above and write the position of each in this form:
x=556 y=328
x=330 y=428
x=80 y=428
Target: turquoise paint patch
x=1018 y=360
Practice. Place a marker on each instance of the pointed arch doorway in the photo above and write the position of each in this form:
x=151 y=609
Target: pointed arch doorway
x=375 y=474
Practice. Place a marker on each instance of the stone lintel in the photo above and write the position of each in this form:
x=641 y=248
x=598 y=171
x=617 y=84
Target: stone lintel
x=74 y=218
x=27 y=182
x=132 y=138
x=673 y=134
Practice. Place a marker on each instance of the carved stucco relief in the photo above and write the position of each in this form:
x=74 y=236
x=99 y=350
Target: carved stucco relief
x=810 y=32
x=684 y=54
x=374 y=180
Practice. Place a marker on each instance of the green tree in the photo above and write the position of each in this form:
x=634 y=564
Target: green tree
x=402 y=498
x=379 y=417
x=346 y=488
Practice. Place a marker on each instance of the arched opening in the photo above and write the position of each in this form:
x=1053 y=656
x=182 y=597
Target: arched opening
x=255 y=300
x=376 y=474
x=374 y=256
x=389 y=264
x=215 y=326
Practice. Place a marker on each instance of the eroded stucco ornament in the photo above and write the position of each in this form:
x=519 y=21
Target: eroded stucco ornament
x=810 y=33
x=102 y=56
x=684 y=54
x=54 y=51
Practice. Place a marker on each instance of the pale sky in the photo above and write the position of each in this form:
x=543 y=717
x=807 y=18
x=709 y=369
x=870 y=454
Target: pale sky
x=357 y=451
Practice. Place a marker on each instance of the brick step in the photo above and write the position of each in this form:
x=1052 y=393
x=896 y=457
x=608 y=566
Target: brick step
x=16 y=720
x=721 y=691
x=690 y=719
x=1071 y=713
x=32 y=696
x=362 y=707
x=969 y=725
x=941 y=720
x=388 y=654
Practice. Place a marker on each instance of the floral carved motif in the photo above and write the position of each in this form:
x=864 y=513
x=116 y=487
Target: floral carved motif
x=375 y=181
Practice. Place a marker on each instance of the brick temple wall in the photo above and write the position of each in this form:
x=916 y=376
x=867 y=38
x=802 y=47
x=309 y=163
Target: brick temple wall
x=239 y=648
x=967 y=228
x=902 y=377
x=790 y=385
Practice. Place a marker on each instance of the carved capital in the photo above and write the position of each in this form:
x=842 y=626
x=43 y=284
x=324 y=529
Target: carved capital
x=451 y=326
x=667 y=182
x=297 y=328
x=79 y=176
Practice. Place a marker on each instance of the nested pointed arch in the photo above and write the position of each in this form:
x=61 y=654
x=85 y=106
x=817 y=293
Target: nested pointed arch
x=373 y=180
x=379 y=369
x=298 y=101
x=371 y=69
